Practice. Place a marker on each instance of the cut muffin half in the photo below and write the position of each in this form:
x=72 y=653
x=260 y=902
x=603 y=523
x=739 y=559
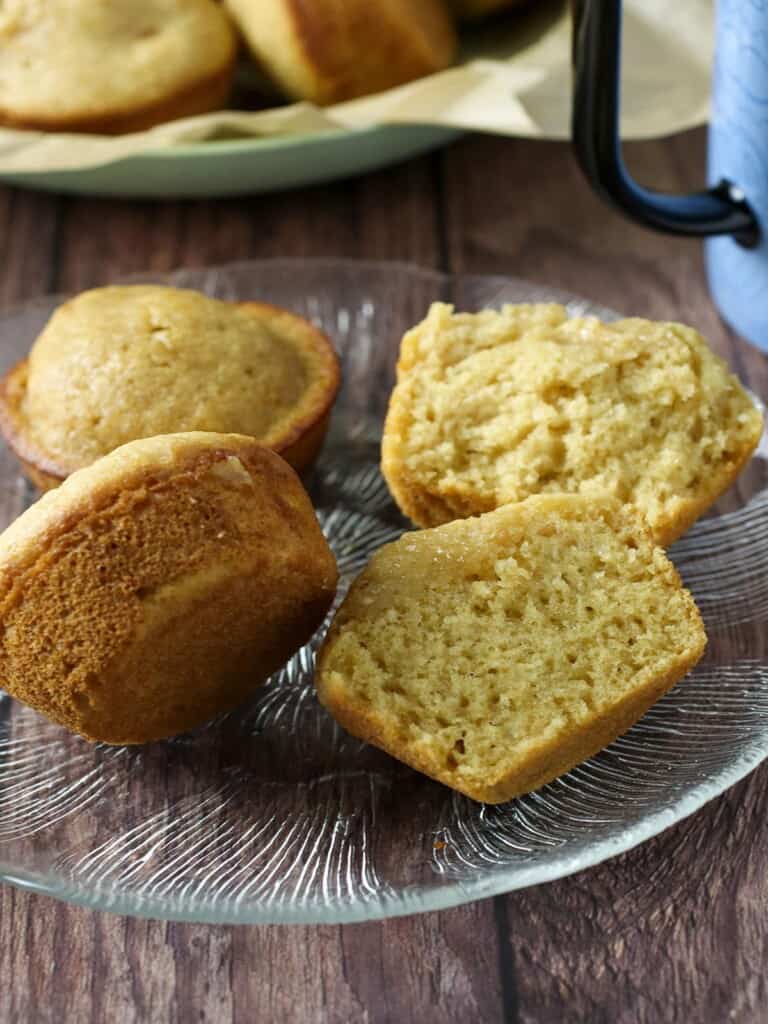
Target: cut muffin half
x=120 y=363
x=160 y=586
x=492 y=407
x=495 y=653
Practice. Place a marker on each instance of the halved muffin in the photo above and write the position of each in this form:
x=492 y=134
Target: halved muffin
x=495 y=406
x=120 y=363
x=160 y=586
x=80 y=66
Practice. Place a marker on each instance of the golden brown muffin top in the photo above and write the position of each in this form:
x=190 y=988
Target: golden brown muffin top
x=69 y=60
x=119 y=363
x=494 y=653
x=492 y=407
x=127 y=468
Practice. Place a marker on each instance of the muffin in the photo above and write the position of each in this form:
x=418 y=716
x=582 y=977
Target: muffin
x=492 y=407
x=116 y=364
x=80 y=66
x=160 y=586
x=332 y=50
x=493 y=654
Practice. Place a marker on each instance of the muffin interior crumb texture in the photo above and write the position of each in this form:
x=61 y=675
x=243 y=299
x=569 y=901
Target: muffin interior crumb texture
x=120 y=363
x=495 y=653
x=495 y=406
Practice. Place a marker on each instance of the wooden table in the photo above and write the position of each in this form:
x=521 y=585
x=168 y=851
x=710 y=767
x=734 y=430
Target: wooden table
x=676 y=930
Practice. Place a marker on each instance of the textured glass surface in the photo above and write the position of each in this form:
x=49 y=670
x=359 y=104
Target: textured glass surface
x=272 y=813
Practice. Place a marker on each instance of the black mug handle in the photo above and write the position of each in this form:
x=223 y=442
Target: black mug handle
x=722 y=210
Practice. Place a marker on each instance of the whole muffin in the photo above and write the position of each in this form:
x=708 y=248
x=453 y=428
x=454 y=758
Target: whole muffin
x=121 y=66
x=120 y=363
x=332 y=50
x=160 y=586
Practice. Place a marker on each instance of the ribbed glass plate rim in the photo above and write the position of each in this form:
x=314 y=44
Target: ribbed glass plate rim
x=444 y=898
x=411 y=900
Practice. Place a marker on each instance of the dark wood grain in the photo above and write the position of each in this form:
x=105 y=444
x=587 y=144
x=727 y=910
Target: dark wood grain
x=28 y=244
x=675 y=930
x=672 y=931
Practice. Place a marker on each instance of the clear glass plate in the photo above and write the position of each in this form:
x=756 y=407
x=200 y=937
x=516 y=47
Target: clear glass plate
x=272 y=813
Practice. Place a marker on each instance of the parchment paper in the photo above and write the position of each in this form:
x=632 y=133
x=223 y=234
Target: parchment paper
x=514 y=80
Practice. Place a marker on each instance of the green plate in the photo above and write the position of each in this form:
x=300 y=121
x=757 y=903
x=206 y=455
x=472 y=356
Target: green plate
x=243 y=166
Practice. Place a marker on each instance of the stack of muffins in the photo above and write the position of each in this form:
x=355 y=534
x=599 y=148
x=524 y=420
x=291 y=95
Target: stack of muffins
x=72 y=65
x=177 y=562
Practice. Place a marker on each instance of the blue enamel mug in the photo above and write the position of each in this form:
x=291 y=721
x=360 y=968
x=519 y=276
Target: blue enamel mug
x=732 y=214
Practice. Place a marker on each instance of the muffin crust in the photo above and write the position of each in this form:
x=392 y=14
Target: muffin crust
x=160 y=586
x=119 y=363
x=148 y=62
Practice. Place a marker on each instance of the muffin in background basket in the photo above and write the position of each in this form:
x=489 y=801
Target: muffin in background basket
x=119 y=363
x=495 y=653
x=160 y=586
x=472 y=10
x=121 y=66
x=495 y=406
x=332 y=50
